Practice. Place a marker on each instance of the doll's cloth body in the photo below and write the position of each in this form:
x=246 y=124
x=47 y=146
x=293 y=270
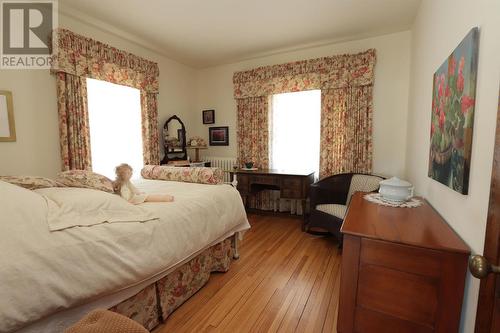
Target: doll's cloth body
x=130 y=193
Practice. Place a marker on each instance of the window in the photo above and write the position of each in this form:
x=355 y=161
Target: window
x=115 y=126
x=295 y=131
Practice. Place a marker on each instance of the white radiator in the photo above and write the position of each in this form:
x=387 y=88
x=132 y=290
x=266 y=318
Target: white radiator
x=224 y=163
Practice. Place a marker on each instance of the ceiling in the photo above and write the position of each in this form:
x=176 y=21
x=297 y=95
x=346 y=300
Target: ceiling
x=203 y=33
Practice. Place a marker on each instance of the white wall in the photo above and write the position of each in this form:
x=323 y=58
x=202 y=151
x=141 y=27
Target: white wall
x=214 y=87
x=36 y=150
x=438 y=28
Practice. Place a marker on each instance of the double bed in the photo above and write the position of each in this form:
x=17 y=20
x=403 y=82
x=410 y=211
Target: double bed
x=144 y=270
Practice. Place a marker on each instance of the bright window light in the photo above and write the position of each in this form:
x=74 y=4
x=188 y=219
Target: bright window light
x=295 y=131
x=115 y=127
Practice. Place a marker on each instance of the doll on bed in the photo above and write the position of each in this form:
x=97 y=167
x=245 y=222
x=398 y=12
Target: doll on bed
x=124 y=187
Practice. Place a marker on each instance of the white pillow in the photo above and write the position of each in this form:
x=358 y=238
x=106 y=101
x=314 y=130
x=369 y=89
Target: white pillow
x=72 y=207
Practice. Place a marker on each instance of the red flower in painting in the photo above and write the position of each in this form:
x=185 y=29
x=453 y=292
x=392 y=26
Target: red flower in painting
x=467 y=103
x=460 y=82
x=452 y=65
x=461 y=65
x=447 y=91
x=442 y=119
x=433 y=129
x=438 y=109
x=441 y=85
x=435 y=108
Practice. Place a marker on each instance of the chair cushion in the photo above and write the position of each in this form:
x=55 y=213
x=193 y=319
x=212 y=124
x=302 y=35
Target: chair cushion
x=333 y=209
x=363 y=183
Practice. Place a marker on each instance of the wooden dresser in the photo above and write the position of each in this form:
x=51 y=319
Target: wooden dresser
x=403 y=270
x=292 y=185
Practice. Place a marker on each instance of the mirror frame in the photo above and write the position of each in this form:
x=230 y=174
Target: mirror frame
x=181 y=155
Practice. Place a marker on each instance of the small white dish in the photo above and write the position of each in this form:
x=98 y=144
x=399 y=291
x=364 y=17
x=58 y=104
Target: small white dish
x=250 y=169
x=396 y=190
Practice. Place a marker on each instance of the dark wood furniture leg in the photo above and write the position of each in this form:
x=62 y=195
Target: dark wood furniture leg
x=304 y=220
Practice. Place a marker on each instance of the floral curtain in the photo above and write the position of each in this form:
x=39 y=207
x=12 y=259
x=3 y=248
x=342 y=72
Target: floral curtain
x=150 y=140
x=321 y=73
x=253 y=131
x=346 y=130
x=73 y=122
x=84 y=57
x=346 y=82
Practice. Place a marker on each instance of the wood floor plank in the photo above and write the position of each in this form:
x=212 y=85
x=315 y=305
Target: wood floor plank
x=330 y=323
x=296 y=311
x=314 y=313
x=272 y=282
x=285 y=280
x=258 y=278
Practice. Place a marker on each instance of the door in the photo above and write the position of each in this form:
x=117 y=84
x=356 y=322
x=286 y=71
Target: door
x=487 y=268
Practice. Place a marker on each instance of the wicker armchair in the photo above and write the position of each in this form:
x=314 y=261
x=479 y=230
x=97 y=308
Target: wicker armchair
x=330 y=198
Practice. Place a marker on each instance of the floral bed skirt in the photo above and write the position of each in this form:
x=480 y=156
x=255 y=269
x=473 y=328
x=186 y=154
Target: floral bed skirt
x=152 y=305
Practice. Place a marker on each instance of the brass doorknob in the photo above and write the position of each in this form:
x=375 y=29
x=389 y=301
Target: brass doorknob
x=480 y=267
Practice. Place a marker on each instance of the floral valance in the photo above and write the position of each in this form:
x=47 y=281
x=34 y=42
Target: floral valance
x=322 y=73
x=86 y=57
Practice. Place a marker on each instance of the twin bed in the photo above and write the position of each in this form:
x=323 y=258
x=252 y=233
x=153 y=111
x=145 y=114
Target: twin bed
x=144 y=270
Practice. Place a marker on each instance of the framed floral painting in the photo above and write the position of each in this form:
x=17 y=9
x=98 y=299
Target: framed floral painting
x=218 y=136
x=208 y=116
x=453 y=101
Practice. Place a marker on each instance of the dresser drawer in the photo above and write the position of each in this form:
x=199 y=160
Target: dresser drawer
x=409 y=259
x=243 y=183
x=369 y=321
x=291 y=183
x=264 y=180
x=291 y=194
x=403 y=296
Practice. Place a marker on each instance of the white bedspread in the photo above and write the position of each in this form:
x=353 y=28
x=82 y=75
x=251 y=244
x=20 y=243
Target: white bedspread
x=80 y=207
x=42 y=272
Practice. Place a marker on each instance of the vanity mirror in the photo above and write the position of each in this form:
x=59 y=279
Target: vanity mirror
x=174 y=140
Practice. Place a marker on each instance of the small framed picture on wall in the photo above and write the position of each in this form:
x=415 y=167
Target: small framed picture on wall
x=218 y=136
x=208 y=116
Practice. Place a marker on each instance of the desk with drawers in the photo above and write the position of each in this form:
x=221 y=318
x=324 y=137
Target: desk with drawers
x=292 y=185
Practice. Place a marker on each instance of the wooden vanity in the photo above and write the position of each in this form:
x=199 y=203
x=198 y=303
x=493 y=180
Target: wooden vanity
x=292 y=185
x=403 y=270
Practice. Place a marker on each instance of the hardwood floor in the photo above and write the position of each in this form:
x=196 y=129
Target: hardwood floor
x=285 y=281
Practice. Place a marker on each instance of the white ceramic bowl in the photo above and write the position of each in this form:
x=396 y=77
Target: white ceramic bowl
x=396 y=190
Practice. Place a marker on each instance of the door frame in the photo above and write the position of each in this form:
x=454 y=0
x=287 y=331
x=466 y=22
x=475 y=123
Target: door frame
x=490 y=285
